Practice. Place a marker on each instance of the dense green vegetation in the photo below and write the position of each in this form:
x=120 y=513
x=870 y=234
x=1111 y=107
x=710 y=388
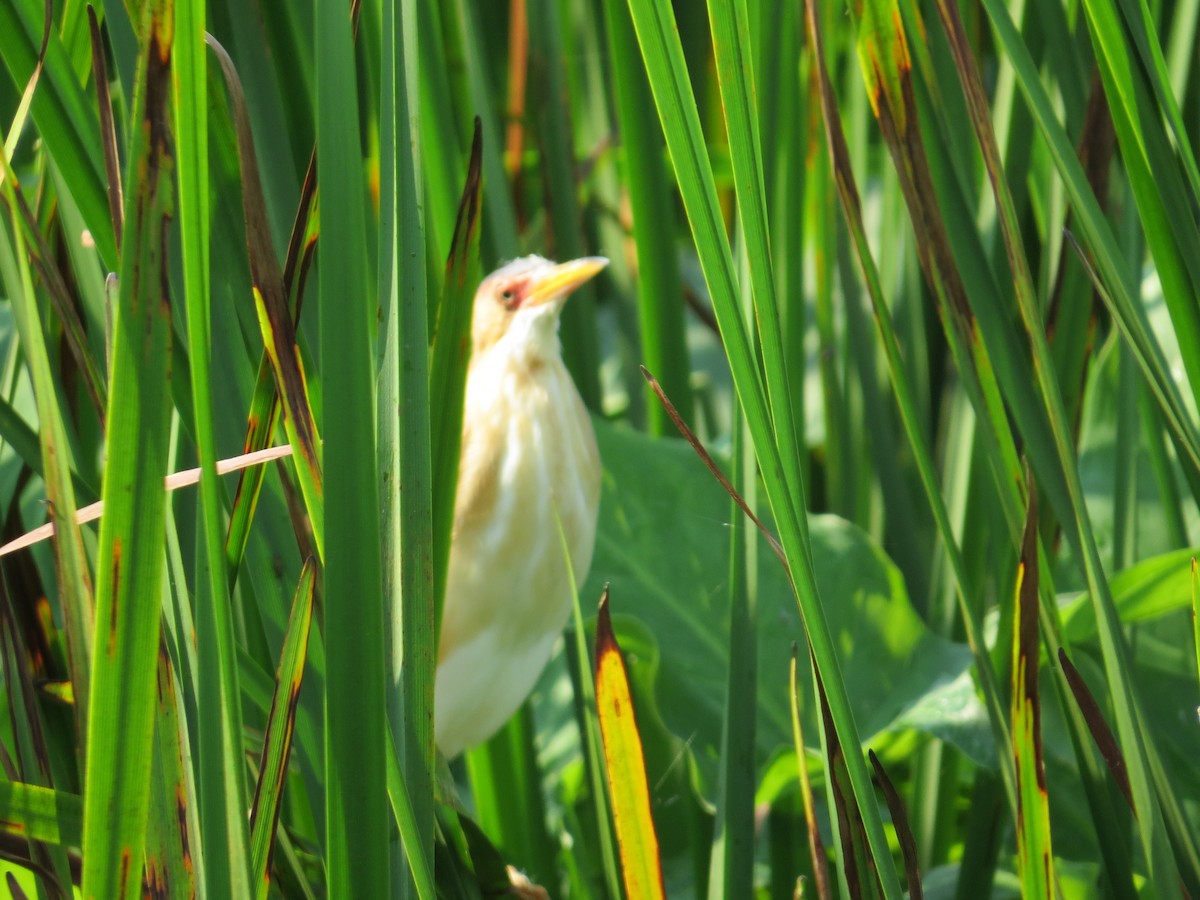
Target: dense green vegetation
x=921 y=276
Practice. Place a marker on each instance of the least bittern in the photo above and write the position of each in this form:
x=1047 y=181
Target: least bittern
x=529 y=467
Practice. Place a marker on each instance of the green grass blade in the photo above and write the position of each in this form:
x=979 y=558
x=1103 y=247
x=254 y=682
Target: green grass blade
x=1112 y=642
x=851 y=208
x=355 y=748
x=731 y=869
x=219 y=727
x=73 y=574
x=451 y=342
x=663 y=56
x=277 y=740
x=731 y=45
x=129 y=581
x=405 y=463
x=274 y=316
x=552 y=120
x=659 y=285
x=64 y=118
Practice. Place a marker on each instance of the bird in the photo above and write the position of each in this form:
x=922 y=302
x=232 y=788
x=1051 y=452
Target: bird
x=529 y=467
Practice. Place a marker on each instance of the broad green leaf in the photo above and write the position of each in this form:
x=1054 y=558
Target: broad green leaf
x=662 y=538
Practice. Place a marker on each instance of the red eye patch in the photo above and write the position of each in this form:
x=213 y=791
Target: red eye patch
x=513 y=295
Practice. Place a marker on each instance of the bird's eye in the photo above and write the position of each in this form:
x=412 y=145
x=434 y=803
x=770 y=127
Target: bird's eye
x=509 y=296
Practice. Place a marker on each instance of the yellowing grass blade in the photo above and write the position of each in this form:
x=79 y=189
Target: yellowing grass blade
x=1036 y=859
x=625 y=766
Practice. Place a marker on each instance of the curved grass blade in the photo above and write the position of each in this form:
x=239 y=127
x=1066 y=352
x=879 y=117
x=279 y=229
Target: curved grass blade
x=277 y=740
x=60 y=300
x=129 y=582
x=1119 y=292
x=264 y=401
x=1033 y=810
x=625 y=767
x=402 y=811
x=275 y=319
x=855 y=864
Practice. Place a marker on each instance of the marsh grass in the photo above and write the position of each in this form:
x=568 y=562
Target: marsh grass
x=948 y=256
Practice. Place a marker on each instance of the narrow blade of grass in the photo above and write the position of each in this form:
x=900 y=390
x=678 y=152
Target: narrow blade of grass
x=403 y=425
x=663 y=56
x=355 y=675
x=129 y=581
x=816 y=846
x=277 y=740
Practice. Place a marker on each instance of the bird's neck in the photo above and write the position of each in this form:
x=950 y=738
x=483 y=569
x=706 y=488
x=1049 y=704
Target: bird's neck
x=528 y=345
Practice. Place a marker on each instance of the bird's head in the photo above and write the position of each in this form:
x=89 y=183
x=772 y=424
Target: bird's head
x=518 y=305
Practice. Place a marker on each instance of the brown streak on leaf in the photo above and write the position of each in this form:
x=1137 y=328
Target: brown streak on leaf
x=181 y=812
x=835 y=764
x=265 y=273
x=116 y=586
x=908 y=844
x=606 y=641
x=466 y=220
x=123 y=880
x=1106 y=741
x=708 y=461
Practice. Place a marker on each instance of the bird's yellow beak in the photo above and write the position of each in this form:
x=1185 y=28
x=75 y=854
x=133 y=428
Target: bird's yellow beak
x=560 y=280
